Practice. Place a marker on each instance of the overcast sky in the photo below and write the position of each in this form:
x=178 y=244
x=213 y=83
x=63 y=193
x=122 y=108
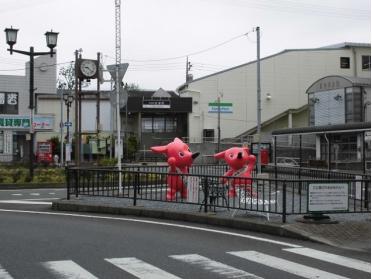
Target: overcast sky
x=155 y=30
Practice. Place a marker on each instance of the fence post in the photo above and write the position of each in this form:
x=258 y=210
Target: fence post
x=67 y=174
x=366 y=193
x=284 y=213
x=77 y=181
x=206 y=191
x=136 y=182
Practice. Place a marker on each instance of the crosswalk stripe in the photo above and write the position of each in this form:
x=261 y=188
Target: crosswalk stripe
x=215 y=267
x=287 y=266
x=68 y=269
x=4 y=274
x=141 y=269
x=332 y=258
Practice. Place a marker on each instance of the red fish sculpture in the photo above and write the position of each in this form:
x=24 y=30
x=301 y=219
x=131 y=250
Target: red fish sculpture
x=179 y=160
x=241 y=164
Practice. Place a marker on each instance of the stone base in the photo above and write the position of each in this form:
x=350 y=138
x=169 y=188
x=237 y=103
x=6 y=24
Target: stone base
x=316 y=219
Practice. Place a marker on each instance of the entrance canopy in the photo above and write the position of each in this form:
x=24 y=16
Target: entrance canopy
x=338 y=82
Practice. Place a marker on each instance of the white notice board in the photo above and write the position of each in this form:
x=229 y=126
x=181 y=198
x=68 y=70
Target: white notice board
x=328 y=197
x=193 y=189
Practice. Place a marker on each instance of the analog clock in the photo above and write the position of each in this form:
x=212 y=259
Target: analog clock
x=88 y=68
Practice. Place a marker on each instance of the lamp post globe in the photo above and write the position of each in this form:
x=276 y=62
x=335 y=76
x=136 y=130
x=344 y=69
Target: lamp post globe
x=11 y=37
x=51 y=40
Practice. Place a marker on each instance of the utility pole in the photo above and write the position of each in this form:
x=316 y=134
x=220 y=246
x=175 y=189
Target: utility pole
x=98 y=108
x=258 y=102
x=77 y=135
x=219 y=122
x=117 y=85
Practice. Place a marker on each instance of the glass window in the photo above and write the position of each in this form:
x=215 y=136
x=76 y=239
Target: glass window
x=147 y=125
x=159 y=123
x=1 y=142
x=366 y=62
x=345 y=62
x=170 y=124
x=8 y=103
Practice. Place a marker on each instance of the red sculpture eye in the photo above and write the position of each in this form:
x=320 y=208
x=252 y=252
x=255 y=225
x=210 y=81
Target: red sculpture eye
x=231 y=155
x=181 y=154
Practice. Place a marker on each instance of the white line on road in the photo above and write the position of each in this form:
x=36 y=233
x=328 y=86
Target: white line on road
x=4 y=274
x=287 y=266
x=221 y=269
x=68 y=269
x=34 y=194
x=24 y=202
x=332 y=258
x=247 y=236
x=17 y=194
x=141 y=269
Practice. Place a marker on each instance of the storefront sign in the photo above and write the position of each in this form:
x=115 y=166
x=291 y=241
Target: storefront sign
x=223 y=107
x=156 y=104
x=328 y=197
x=18 y=122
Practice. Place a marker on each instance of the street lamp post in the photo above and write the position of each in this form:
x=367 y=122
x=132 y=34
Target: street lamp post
x=11 y=39
x=68 y=98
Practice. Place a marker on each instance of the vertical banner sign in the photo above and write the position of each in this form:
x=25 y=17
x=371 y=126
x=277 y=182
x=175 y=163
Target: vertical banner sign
x=193 y=189
x=328 y=197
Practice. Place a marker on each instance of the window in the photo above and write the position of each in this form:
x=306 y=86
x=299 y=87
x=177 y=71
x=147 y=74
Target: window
x=158 y=124
x=8 y=103
x=366 y=62
x=345 y=62
x=170 y=124
x=1 y=142
x=147 y=125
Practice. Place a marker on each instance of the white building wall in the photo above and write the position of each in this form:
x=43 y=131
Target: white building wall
x=284 y=76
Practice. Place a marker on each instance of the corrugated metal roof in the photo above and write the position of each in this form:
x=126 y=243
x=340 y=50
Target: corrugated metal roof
x=361 y=126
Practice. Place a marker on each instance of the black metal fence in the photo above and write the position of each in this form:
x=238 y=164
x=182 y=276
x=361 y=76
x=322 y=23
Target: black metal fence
x=207 y=189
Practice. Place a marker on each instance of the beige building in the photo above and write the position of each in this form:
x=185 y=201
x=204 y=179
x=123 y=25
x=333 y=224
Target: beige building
x=285 y=77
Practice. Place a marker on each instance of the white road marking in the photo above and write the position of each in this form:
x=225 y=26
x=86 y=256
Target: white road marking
x=51 y=193
x=24 y=202
x=332 y=258
x=68 y=269
x=221 y=269
x=4 y=274
x=34 y=194
x=17 y=194
x=247 y=236
x=141 y=269
x=287 y=266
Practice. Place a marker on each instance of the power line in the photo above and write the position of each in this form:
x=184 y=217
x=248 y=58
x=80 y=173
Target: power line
x=192 y=53
x=50 y=65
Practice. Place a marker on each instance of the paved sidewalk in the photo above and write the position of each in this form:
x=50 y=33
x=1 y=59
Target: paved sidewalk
x=353 y=231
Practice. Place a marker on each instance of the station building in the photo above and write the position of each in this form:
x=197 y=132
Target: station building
x=285 y=78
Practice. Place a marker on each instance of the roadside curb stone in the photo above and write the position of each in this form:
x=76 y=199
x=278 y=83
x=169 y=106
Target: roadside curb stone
x=337 y=235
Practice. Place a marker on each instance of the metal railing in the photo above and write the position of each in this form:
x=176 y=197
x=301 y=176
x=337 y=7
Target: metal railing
x=208 y=190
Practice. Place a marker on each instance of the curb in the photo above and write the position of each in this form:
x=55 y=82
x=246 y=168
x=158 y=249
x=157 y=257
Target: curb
x=199 y=218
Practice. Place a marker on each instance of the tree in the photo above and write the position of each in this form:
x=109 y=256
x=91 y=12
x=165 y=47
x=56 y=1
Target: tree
x=66 y=77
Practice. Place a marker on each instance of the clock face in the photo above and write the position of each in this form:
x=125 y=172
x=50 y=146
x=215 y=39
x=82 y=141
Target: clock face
x=88 y=68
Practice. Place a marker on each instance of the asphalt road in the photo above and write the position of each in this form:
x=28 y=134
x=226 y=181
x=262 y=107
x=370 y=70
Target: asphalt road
x=39 y=243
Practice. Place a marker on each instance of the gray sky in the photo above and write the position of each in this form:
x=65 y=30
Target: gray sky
x=161 y=29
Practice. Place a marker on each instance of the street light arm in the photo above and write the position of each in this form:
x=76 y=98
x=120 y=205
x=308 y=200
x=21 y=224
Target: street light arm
x=28 y=53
